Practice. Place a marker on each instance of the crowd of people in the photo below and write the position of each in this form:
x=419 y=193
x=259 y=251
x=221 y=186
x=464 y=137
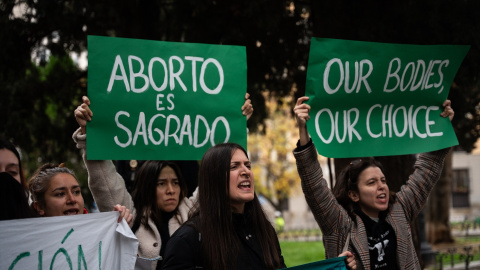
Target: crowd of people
x=222 y=224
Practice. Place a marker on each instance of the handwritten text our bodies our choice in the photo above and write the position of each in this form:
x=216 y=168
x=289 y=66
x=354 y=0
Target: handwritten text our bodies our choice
x=162 y=127
x=396 y=121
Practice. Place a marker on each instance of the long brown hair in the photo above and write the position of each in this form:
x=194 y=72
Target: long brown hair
x=5 y=144
x=347 y=181
x=144 y=195
x=220 y=245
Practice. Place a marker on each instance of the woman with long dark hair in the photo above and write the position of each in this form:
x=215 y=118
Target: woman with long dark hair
x=361 y=211
x=14 y=192
x=13 y=199
x=228 y=229
x=10 y=162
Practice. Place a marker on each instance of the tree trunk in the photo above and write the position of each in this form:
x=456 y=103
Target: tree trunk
x=437 y=215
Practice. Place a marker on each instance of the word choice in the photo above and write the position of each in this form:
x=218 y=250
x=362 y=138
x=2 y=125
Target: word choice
x=387 y=128
x=138 y=82
x=161 y=129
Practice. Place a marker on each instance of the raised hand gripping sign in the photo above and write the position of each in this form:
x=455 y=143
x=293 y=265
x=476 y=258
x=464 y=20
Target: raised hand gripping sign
x=379 y=99
x=163 y=100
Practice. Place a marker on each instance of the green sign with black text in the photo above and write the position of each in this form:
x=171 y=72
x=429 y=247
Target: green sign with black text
x=156 y=100
x=379 y=99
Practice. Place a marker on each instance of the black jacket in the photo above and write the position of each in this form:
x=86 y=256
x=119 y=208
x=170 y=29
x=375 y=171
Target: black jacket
x=184 y=248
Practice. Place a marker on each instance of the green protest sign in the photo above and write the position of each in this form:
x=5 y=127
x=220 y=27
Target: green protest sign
x=157 y=100
x=378 y=99
x=337 y=263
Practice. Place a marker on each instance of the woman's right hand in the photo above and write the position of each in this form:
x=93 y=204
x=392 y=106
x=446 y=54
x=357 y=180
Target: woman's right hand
x=124 y=214
x=302 y=115
x=83 y=114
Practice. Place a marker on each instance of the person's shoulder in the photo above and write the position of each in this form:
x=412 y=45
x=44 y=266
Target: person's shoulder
x=182 y=250
x=187 y=231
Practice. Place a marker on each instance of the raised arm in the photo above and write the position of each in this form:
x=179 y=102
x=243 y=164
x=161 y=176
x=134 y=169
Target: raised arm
x=330 y=216
x=428 y=169
x=107 y=186
x=302 y=115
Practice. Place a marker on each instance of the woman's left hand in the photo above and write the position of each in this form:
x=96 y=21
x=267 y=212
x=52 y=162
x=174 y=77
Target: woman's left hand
x=350 y=260
x=124 y=213
x=447 y=110
x=247 y=108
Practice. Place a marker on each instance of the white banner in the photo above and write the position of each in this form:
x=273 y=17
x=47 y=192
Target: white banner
x=91 y=241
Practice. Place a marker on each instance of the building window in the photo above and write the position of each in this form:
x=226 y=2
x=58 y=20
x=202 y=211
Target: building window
x=460 y=188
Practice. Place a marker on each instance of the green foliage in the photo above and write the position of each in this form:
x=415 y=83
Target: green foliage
x=39 y=96
x=40 y=86
x=271 y=149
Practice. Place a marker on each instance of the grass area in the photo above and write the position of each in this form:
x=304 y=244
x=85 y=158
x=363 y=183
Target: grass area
x=296 y=233
x=468 y=240
x=459 y=256
x=297 y=253
x=457 y=259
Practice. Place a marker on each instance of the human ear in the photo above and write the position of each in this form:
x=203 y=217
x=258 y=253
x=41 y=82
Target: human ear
x=353 y=196
x=39 y=209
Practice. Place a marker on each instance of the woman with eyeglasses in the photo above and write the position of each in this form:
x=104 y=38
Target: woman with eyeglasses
x=361 y=211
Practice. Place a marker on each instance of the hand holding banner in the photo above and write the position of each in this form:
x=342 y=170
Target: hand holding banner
x=378 y=99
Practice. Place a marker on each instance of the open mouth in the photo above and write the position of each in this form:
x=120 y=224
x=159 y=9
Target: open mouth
x=245 y=185
x=382 y=197
x=71 y=212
